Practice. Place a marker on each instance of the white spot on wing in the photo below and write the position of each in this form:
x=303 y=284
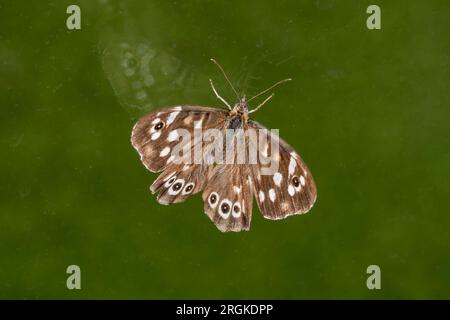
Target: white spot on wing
x=291 y=190
x=292 y=164
x=164 y=152
x=156 y=135
x=302 y=180
x=173 y=135
x=277 y=177
x=272 y=195
x=261 y=196
x=172 y=117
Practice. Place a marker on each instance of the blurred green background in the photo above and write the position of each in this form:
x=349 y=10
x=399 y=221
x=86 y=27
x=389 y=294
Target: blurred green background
x=368 y=110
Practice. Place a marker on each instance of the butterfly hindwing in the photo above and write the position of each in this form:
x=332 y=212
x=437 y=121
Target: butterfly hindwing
x=228 y=197
x=178 y=182
x=287 y=191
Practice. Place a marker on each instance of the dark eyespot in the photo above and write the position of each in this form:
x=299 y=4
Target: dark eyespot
x=236 y=209
x=189 y=188
x=225 y=207
x=177 y=186
x=171 y=180
x=159 y=126
x=213 y=198
x=295 y=181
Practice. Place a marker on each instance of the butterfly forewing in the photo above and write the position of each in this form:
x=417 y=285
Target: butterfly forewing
x=155 y=134
x=290 y=189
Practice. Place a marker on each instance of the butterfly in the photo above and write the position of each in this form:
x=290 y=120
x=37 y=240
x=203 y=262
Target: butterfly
x=228 y=188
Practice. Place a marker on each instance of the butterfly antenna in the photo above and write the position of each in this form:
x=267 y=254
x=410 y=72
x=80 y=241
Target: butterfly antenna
x=271 y=87
x=225 y=75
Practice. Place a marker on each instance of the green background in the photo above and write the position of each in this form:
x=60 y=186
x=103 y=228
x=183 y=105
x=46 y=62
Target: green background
x=368 y=110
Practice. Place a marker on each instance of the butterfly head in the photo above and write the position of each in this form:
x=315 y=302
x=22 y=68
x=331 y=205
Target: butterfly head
x=241 y=107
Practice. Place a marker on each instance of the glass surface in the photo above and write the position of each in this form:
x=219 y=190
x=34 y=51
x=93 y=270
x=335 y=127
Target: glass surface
x=368 y=111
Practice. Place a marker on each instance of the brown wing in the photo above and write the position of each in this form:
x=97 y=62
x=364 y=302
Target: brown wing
x=178 y=182
x=155 y=134
x=287 y=191
x=228 y=197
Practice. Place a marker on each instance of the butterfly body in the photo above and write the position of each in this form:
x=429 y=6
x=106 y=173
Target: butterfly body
x=238 y=115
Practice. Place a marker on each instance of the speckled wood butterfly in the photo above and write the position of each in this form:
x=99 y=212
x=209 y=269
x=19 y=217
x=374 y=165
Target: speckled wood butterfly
x=228 y=187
